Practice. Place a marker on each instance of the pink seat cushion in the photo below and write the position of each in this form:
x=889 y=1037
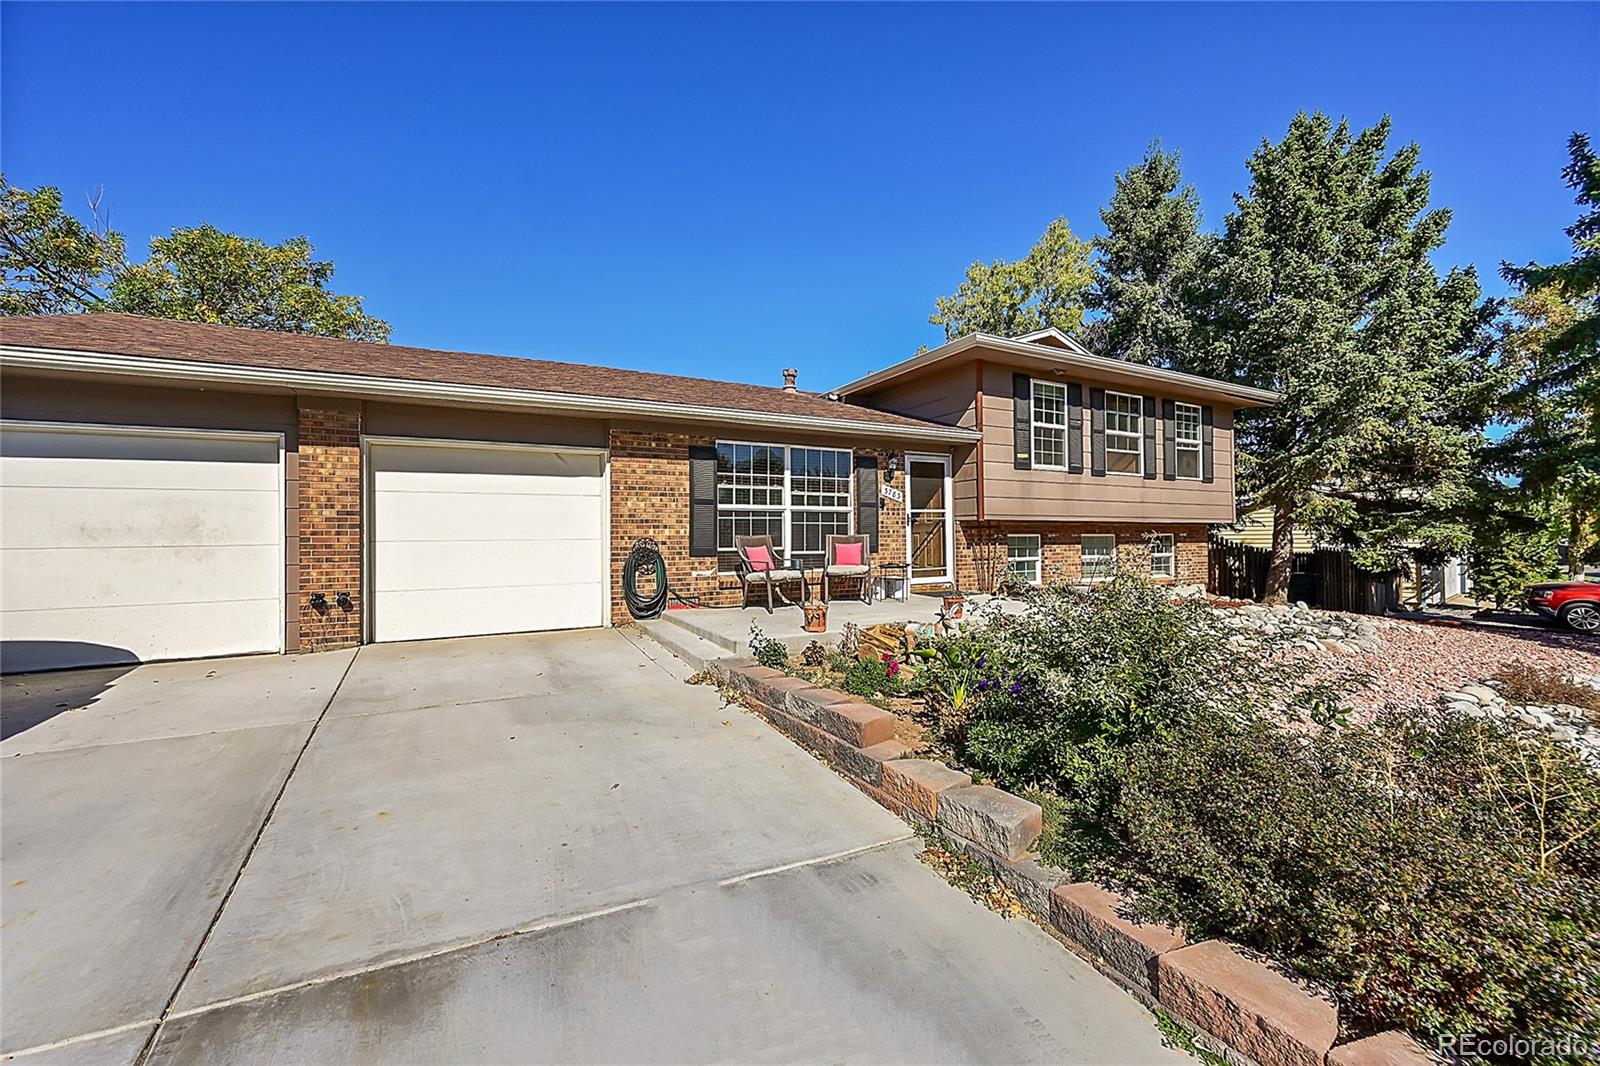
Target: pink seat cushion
x=847 y=554
x=760 y=559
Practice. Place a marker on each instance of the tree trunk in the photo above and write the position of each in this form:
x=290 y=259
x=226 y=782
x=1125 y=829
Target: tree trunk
x=1281 y=567
x=1574 y=531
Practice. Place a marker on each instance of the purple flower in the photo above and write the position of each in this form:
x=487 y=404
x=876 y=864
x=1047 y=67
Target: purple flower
x=1016 y=688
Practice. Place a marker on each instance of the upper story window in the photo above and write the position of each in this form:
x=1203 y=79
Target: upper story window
x=1186 y=437
x=1124 y=433
x=1049 y=425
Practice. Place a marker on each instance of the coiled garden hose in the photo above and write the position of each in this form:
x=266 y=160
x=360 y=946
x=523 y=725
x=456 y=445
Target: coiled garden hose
x=645 y=558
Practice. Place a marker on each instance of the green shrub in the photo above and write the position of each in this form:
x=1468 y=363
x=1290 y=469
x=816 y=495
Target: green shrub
x=871 y=677
x=1437 y=872
x=768 y=651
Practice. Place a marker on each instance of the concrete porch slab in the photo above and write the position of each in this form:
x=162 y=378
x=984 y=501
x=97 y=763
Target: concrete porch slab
x=729 y=627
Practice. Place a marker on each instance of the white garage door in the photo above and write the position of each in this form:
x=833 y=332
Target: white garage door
x=119 y=545
x=472 y=539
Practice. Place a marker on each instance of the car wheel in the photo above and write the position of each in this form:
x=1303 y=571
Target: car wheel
x=1584 y=617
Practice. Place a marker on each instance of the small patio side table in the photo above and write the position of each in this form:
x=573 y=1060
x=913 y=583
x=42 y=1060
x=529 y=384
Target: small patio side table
x=900 y=572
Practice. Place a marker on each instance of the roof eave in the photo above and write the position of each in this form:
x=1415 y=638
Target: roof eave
x=309 y=381
x=1243 y=395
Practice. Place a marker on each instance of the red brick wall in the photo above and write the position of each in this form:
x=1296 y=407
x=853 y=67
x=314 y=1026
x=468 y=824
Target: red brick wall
x=981 y=550
x=329 y=543
x=650 y=498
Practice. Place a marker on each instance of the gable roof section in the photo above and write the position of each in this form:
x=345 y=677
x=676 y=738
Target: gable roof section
x=199 y=352
x=1054 y=349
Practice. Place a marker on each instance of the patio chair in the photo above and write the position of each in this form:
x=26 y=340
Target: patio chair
x=760 y=564
x=853 y=563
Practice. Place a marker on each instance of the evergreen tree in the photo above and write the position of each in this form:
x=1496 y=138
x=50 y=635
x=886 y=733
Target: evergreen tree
x=1147 y=264
x=1010 y=298
x=1553 y=348
x=1323 y=290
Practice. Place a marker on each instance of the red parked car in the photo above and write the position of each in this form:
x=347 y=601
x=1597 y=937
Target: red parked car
x=1572 y=603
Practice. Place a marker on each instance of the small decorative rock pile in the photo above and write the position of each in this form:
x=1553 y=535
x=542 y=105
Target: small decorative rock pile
x=1568 y=724
x=1298 y=626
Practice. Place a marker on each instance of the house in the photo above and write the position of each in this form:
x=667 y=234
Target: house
x=1447 y=583
x=178 y=490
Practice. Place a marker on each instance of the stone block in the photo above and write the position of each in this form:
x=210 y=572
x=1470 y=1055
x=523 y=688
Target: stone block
x=1090 y=916
x=744 y=677
x=774 y=692
x=867 y=763
x=852 y=721
x=1031 y=881
x=1249 y=1006
x=917 y=783
x=1393 y=1048
x=998 y=821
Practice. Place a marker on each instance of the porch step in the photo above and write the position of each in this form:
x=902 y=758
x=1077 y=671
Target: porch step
x=686 y=621
x=683 y=642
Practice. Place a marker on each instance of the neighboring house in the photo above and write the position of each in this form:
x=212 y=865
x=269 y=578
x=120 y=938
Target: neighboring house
x=176 y=490
x=1448 y=582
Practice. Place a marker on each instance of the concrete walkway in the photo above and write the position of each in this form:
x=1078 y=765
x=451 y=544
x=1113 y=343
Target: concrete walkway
x=527 y=848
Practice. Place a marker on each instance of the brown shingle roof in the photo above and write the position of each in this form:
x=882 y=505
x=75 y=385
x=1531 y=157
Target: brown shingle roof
x=132 y=335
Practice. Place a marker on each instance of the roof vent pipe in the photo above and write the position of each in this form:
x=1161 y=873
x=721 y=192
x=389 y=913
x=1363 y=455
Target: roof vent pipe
x=789 y=377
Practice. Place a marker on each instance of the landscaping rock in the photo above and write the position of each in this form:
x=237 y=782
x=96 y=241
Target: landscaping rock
x=1088 y=915
x=1483 y=694
x=1005 y=824
x=917 y=783
x=845 y=717
x=1393 y=1048
x=1248 y=1006
x=867 y=763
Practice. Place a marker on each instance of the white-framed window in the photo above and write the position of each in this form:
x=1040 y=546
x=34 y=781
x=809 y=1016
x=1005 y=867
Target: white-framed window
x=1163 y=556
x=1024 y=557
x=819 y=501
x=1099 y=555
x=796 y=496
x=1124 y=433
x=1186 y=440
x=1049 y=425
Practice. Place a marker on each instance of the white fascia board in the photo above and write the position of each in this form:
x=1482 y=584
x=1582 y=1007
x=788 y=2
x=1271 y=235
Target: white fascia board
x=186 y=372
x=1081 y=357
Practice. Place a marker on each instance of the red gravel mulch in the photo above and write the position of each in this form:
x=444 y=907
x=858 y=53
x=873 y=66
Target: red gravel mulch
x=1417 y=662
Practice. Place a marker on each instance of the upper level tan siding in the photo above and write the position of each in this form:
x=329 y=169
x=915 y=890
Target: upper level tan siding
x=1011 y=494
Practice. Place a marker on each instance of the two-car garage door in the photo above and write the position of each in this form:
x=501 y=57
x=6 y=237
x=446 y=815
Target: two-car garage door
x=121 y=544
x=469 y=539
x=118 y=545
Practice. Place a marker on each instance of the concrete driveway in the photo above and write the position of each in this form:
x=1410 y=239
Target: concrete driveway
x=503 y=849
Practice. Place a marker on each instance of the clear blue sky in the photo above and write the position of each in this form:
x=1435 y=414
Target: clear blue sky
x=728 y=190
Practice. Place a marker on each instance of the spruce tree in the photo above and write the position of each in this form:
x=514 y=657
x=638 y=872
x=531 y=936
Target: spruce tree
x=1146 y=265
x=1323 y=290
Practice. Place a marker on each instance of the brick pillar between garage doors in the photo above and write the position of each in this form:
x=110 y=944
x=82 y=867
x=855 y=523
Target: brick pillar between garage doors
x=329 y=493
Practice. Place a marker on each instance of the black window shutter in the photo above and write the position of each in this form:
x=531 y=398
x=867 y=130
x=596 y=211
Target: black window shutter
x=867 y=499
x=1075 y=429
x=1206 y=419
x=702 y=499
x=1149 y=421
x=1097 y=432
x=1169 y=443
x=1022 y=420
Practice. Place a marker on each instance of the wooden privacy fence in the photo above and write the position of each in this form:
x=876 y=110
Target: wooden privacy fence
x=1325 y=578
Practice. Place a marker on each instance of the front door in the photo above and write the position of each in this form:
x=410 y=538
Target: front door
x=929 y=529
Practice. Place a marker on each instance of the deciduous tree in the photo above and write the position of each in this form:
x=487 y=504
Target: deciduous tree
x=1044 y=288
x=52 y=263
